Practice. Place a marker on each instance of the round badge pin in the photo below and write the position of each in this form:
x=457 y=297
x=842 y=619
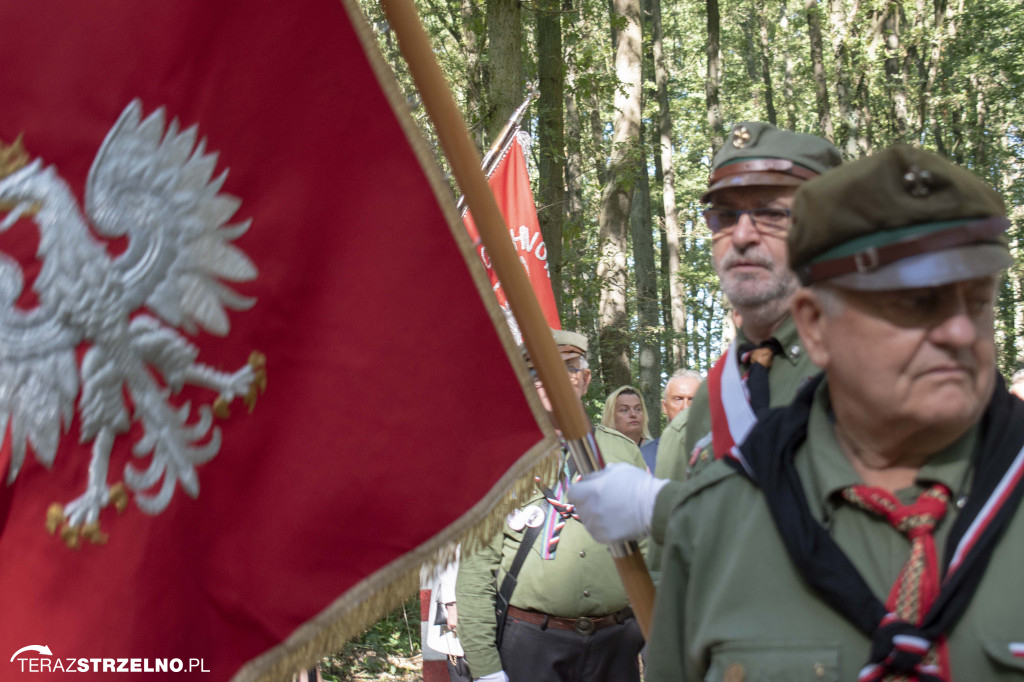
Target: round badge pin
x=516 y=520
x=534 y=516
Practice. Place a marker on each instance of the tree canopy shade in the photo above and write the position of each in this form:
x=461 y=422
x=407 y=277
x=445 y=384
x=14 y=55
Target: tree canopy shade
x=636 y=95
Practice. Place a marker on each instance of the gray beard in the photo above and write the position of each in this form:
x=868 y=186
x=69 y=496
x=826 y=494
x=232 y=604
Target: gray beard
x=746 y=299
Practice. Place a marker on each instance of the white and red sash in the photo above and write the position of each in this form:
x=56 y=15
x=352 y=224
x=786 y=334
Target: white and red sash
x=732 y=417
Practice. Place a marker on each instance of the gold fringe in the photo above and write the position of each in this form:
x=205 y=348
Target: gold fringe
x=372 y=598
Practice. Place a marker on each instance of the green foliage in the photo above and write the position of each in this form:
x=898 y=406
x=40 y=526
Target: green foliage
x=948 y=76
x=380 y=652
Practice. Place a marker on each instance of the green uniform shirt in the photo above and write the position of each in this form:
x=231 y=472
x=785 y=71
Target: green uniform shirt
x=786 y=376
x=580 y=581
x=730 y=598
x=692 y=427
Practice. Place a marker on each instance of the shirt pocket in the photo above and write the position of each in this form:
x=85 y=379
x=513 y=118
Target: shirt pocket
x=1008 y=655
x=774 y=661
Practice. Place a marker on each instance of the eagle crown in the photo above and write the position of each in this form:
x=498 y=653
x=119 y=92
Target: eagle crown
x=13 y=157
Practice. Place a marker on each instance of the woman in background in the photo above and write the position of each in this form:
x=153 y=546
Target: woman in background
x=624 y=411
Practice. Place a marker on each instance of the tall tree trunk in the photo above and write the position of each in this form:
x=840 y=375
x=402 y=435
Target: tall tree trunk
x=865 y=134
x=572 y=228
x=551 y=137
x=944 y=24
x=573 y=152
x=675 y=306
x=649 y=344
x=713 y=83
x=915 y=67
x=875 y=41
x=505 y=87
x=894 y=74
x=597 y=138
x=788 y=73
x=616 y=202
x=849 y=123
x=818 y=70
x=475 y=105
x=766 y=62
x=979 y=142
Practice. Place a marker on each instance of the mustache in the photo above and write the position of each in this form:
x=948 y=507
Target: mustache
x=750 y=257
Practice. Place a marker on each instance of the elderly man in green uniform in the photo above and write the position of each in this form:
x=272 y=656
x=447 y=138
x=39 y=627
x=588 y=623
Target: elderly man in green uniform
x=565 y=615
x=874 y=525
x=753 y=179
x=677 y=396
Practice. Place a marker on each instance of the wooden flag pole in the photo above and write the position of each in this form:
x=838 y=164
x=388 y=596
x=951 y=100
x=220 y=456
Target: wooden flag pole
x=501 y=143
x=567 y=408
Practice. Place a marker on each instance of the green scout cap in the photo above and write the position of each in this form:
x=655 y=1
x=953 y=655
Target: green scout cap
x=758 y=154
x=570 y=344
x=899 y=219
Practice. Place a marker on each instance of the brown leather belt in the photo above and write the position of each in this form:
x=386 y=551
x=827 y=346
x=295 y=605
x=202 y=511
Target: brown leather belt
x=584 y=626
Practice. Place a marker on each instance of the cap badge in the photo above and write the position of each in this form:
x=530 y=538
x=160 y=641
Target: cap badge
x=918 y=182
x=740 y=137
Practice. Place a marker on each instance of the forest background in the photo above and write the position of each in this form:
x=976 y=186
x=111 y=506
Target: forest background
x=635 y=98
x=637 y=95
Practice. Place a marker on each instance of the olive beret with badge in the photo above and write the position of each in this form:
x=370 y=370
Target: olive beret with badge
x=759 y=154
x=902 y=218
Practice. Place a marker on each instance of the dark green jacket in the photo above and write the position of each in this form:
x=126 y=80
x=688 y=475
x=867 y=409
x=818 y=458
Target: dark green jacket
x=730 y=599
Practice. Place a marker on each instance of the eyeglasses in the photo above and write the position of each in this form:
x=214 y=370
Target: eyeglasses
x=773 y=221
x=574 y=374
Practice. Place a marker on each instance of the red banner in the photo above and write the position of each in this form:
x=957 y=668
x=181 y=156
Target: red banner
x=214 y=195
x=511 y=186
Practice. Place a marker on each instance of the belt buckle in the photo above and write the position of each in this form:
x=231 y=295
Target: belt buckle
x=585 y=626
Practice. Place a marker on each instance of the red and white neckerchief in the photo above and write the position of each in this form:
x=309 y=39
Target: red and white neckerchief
x=559 y=511
x=918 y=583
x=732 y=418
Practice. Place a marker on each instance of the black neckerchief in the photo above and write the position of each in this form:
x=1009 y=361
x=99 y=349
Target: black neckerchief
x=766 y=458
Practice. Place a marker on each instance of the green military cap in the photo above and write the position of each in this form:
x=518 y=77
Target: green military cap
x=759 y=154
x=899 y=219
x=570 y=344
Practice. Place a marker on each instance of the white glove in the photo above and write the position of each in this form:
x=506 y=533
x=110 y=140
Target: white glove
x=499 y=676
x=616 y=503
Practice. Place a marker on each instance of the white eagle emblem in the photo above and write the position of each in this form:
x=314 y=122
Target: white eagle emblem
x=154 y=187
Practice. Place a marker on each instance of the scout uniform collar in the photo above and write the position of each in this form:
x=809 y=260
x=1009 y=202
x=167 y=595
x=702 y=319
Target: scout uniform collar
x=787 y=336
x=827 y=475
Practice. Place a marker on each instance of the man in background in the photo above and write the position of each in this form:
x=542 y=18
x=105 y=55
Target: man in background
x=567 y=617
x=750 y=191
x=675 y=399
